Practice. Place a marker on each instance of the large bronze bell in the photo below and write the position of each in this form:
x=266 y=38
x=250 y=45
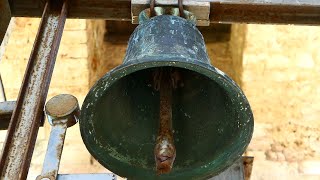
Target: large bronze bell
x=212 y=122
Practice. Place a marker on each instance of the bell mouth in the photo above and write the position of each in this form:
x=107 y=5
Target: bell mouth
x=212 y=121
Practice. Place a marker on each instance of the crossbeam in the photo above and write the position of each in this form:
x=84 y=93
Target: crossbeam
x=305 y=12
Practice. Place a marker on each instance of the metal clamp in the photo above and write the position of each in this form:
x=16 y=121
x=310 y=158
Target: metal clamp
x=153 y=13
x=62 y=112
x=200 y=10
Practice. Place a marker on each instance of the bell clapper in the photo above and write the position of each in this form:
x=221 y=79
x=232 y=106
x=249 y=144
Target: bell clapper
x=165 y=80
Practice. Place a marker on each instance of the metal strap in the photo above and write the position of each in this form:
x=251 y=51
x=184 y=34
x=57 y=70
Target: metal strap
x=153 y=4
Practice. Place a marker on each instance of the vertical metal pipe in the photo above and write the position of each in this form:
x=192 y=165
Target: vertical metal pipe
x=24 y=125
x=54 y=151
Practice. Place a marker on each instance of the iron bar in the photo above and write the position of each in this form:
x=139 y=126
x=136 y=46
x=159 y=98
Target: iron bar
x=25 y=121
x=305 y=12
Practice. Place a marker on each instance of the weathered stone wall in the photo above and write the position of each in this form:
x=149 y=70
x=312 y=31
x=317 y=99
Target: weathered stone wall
x=281 y=73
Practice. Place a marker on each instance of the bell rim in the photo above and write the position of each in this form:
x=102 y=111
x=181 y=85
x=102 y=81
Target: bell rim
x=145 y=63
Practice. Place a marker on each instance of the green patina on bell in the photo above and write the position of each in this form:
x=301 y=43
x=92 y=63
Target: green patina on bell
x=212 y=119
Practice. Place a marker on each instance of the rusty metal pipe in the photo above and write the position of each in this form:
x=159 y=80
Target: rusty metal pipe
x=25 y=121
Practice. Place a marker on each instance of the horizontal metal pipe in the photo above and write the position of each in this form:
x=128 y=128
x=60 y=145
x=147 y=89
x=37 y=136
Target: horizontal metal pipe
x=6 y=109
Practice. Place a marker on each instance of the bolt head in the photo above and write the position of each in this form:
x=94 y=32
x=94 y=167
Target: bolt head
x=61 y=108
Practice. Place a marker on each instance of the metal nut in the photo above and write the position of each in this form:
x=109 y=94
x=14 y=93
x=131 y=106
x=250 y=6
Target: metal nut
x=61 y=108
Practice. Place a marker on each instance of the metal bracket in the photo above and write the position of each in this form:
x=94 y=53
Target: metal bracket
x=201 y=10
x=62 y=112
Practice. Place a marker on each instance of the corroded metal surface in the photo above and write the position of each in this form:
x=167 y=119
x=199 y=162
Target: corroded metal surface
x=226 y=11
x=62 y=112
x=158 y=11
x=63 y=106
x=24 y=125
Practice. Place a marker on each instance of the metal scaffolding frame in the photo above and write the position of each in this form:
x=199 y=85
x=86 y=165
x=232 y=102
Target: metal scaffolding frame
x=28 y=113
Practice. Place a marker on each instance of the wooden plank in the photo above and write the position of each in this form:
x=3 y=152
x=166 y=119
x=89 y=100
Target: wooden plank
x=305 y=12
x=256 y=13
x=268 y=2
x=105 y=9
x=27 y=8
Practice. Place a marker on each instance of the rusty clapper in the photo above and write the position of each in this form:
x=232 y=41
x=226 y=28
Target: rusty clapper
x=165 y=81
